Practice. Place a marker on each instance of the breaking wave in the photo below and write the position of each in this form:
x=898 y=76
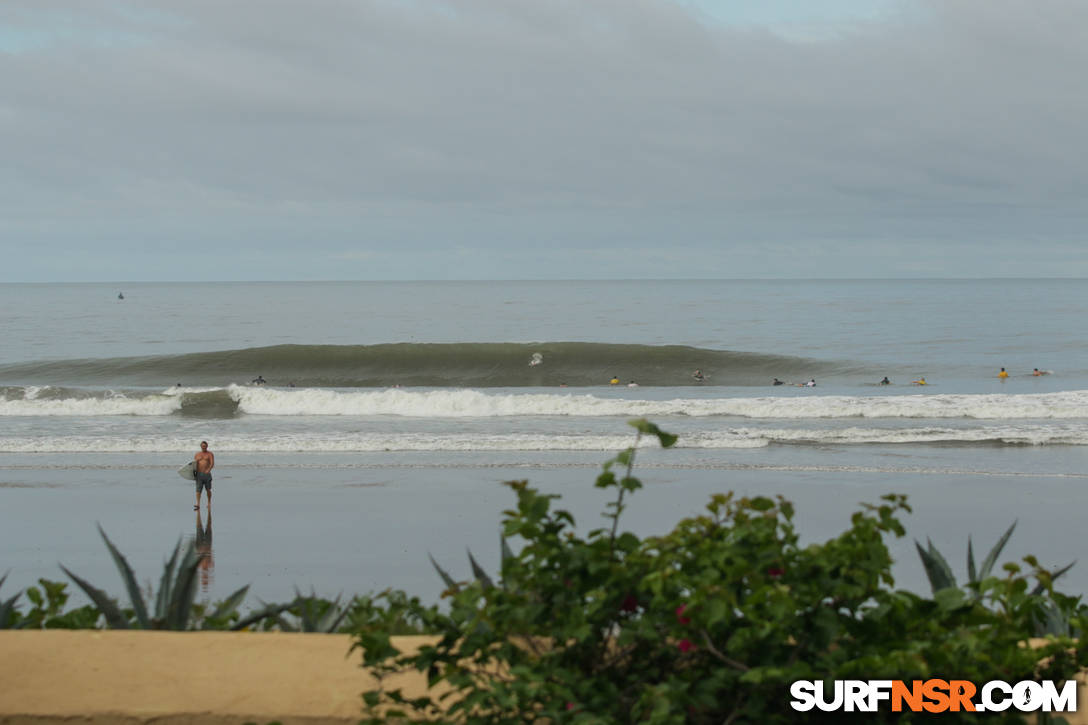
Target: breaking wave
x=727 y=438
x=252 y=400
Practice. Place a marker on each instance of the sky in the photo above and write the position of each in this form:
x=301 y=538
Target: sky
x=542 y=139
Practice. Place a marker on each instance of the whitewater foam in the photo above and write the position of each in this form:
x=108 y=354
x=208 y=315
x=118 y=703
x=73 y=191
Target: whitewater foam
x=727 y=438
x=463 y=403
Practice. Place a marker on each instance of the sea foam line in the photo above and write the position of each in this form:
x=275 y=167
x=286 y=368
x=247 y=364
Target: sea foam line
x=731 y=438
x=474 y=403
x=464 y=403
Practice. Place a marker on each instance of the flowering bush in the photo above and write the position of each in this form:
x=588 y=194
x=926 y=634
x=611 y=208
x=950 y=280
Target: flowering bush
x=708 y=623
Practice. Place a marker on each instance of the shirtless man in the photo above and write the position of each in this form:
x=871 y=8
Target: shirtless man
x=205 y=462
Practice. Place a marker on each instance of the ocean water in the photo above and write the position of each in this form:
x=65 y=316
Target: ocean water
x=392 y=410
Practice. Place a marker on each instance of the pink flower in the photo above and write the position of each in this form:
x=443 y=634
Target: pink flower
x=685 y=645
x=570 y=705
x=680 y=615
x=630 y=604
x=774 y=572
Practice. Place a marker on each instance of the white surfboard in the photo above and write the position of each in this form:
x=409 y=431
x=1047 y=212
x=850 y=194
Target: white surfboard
x=188 y=471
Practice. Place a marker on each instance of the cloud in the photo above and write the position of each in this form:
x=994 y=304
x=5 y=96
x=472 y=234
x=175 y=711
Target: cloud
x=538 y=129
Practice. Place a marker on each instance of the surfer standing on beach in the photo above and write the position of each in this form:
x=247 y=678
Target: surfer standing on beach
x=205 y=462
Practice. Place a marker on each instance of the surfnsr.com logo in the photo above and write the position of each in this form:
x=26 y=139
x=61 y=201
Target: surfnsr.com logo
x=933 y=696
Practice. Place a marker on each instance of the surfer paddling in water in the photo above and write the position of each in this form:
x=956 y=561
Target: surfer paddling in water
x=205 y=462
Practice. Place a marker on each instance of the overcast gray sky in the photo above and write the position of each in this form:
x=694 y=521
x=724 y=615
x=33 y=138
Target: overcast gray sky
x=526 y=139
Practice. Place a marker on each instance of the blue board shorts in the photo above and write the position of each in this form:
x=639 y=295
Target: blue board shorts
x=203 y=480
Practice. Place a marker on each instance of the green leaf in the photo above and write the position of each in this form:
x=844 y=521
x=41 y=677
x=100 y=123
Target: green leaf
x=266 y=612
x=7 y=609
x=667 y=440
x=991 y=558
x=166 y=583
x=228 y=605
x=114 y=618
x=446 y=578
x=937 y=569
x=479 y=573
x=184 y=592
x=972 y=575
x=129 y=579
x=762 y=503
x=950 y=598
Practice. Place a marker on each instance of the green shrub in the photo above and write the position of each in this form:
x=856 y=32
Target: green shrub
x=708 y=623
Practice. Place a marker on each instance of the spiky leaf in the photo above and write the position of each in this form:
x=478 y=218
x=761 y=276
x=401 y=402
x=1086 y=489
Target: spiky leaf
x=114 y=618
x=972 y=575
x=1038 y=588
x=7 y=608
x=479 y=573
x=184 y=590
x=228 y=605
x=134 y=595
x=166 y=585
x=266 y=612
x=446 y=578
x=991 y=558
x=937 y=569
x=332 y=617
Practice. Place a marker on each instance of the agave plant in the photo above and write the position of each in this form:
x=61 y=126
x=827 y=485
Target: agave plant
x=313 y=614
x=940 y=573
x=8 y=614
x=477 y=571
x=173 y=606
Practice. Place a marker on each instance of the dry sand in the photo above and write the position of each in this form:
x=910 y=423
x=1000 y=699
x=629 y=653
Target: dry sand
x=215 y=678
x=170 y=678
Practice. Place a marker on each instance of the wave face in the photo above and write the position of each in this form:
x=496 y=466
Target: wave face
x=473 y=365
x=264 y=401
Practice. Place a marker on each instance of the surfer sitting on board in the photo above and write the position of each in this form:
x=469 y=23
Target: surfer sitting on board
x=777 y=382
x=205 y=462
x=885 y=381
x=698 y=375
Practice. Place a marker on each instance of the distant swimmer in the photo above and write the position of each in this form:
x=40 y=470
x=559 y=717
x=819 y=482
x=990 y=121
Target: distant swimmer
x=777 y=382
x=120 y=296
x=536 y=359
x=1002 y=374
x=811 y=383
x=698 y=375
x=632 y=384
x=885 y=381
x=1036 y=372
x=919 y=381
x=258 y=381
x=614 y=381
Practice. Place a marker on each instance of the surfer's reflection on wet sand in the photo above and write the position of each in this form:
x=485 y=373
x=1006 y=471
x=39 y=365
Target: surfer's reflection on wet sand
x=205 y=555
